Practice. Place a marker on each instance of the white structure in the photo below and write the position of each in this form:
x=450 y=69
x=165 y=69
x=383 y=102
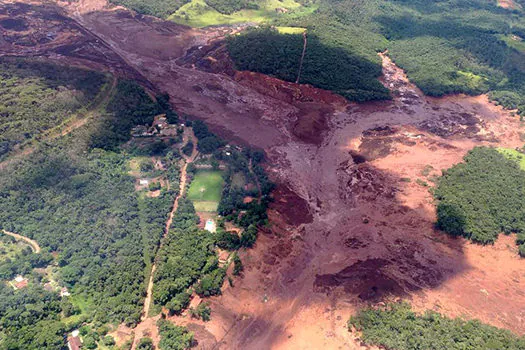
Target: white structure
x=210 y=226
x=19 y=279
x=143 y=182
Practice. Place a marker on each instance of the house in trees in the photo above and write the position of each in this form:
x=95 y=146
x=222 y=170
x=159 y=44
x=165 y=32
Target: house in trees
x=73 y=341
x=19 y=282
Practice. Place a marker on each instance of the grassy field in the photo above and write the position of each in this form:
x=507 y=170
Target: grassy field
x=206 y=190
x=512 y=154
x=290 y=30
x=198 y=14
x=514 y=42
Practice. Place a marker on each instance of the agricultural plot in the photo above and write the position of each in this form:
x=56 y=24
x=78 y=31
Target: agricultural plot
x=205 y=190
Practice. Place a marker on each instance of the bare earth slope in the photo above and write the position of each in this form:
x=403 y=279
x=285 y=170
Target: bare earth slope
x=347 y=228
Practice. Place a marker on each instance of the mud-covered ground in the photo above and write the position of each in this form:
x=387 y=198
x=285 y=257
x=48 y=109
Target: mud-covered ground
x=352 y=220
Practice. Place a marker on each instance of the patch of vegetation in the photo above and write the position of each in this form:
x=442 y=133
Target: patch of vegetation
x=10 y=249
x=208 y=141
x=173 y=337
x=251 y=214
x=514 y=155
x=266 y=51
x=36 y=97
x=482 y=196
x=206 y=189
x=30 y=319
x=202 y=312
x=398 y=327
x=145 y=344
x=129 y=107
x=158 y=8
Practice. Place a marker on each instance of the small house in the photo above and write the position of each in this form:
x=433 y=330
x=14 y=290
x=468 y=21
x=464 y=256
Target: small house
x=19 y=282
x=73 y=342
x=64 y=292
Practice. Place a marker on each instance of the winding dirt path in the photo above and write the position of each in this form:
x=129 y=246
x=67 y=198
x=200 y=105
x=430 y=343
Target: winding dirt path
x=34 y=245
x=147 y=326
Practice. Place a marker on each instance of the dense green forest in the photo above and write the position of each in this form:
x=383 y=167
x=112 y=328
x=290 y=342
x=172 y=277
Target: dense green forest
x=37 y=96
x=445 y=46
x=74 y=195
x=173 y=337
x=482 y=196
x=330 y=67
x=186 y=256
x=84 y=207
x=30 y=319
x=453 y=46
x=398 y=327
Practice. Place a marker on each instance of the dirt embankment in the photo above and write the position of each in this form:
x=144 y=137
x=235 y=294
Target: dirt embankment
x=352 y=220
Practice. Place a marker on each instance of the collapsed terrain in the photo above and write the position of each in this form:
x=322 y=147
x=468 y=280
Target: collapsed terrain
x=352 y=220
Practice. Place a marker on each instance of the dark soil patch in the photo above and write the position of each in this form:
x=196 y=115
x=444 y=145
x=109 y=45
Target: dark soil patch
x=293 y=208
x=367 y=279
x=15 y=24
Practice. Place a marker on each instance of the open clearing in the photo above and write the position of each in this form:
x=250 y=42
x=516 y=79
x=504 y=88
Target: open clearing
x=205 y=190
x=291 y=30
x=198 y=14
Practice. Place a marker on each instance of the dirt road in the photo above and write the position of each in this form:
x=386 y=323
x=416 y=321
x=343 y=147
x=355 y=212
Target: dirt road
x=305 y=42
x=148 y=327
x=32 y=243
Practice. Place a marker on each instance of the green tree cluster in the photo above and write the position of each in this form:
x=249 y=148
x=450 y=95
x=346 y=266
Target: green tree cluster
x=30 y=319
x=173 y=337
x=330 y=67
x=398 y=327
x=482 y=197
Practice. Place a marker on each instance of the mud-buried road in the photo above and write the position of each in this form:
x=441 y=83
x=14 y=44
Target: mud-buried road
x=347 y=227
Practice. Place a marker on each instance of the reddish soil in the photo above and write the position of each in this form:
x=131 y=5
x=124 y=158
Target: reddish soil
x=350 y=226
x=509 y=4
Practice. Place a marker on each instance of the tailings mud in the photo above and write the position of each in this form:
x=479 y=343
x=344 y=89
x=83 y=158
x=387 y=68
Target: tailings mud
x=352 y=220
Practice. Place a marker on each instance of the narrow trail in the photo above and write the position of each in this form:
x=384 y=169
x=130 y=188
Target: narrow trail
x=147 y=323
x=305 y=41
x=34 y=245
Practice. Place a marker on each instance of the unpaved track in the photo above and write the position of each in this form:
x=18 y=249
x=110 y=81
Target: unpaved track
x=305 y=42
x=34 y=245
x=148 y=324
